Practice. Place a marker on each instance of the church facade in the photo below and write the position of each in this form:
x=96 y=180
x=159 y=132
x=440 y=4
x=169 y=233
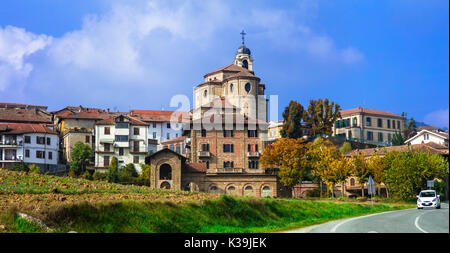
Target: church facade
x=227 y=128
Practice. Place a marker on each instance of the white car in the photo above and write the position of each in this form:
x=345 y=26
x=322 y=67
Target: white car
x=428 y=198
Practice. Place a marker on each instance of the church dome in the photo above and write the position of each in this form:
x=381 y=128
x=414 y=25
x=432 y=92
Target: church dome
x=243 y=50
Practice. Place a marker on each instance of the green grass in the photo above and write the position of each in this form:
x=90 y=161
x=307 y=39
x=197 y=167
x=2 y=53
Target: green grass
x=224 y=215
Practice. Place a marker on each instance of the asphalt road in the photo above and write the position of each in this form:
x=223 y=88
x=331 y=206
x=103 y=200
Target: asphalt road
x=427 y=220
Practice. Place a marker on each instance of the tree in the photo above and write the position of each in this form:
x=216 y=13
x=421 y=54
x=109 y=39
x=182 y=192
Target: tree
x=80 y=155
x=293 y=115
x=320 y=154
x=127 y=173
x=145 y=175
x=113 y=171
x=338 y=171
x=289 y=156
x=321 y=115
x=408 y=172
x=398 y=139
x=360 y=169
x=346 y=147
x=377 y=167
x=411 y=124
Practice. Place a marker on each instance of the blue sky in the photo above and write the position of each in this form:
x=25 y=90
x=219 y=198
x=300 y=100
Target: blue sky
x=386 y=55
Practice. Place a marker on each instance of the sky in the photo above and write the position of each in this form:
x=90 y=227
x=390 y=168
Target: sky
x=135 y=54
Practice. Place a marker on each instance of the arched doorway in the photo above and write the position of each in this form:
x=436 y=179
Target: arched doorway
x=165 y=172
x=165 y=185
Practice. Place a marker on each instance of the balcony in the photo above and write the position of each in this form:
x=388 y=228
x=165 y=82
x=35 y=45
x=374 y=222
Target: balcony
x=138 y=150
x=229 y=170
x=204 y=154
x=253 y=154
x=11 y=143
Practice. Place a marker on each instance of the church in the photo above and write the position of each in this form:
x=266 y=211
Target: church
x=227 y=129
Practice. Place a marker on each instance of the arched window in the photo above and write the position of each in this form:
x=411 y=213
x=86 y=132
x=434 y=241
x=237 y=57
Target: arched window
x=352 y=182
x=231 y=188
x=245 y=64
x=165 y=172
x=213 y=189
x=249 y=188
x=247 y=87
x=205 y=93
x=231 y=88
x=266 y=188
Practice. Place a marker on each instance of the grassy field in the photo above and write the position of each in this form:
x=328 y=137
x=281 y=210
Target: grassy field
x=93 y=206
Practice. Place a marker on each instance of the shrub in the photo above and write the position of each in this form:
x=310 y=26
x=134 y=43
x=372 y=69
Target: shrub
x=35 y=169
x=361 y=198
x=86 y=175
x=127 y=173
x=113 y=171
x=99 y=176
x=312 y=193
x=72 y=174
x=20 y=167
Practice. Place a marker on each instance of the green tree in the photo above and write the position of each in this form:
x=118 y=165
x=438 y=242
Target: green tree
x=398 y=139
x=113 y=171
x=377 y=168
x=408 y=172
x=411 y=124
x=145 y=175
x=127 y=173
x=321 y=115
x=293 y=115
x=80 y=155
x=345 y=148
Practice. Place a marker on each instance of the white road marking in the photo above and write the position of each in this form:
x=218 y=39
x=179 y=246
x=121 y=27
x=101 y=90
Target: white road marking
x=372 y=232
x=416 y=223
x=333 y=230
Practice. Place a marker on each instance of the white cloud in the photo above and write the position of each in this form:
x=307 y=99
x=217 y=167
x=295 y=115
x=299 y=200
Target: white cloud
x=438 y=118
x=16 y=45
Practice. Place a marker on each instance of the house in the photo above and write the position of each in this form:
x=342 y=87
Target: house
x=426 y=136
x=23 y=113
x=28 y=143
x=179 y=145
x=368 y=126
x=123 y=137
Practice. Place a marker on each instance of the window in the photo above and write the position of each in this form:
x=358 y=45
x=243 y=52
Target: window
x=168 y=125
x=252 y=148
x=205 y=147
x=228 y=148
x=48 y=140
x=178 y=148
x=388 y=123
x=87 y=139
x=370 y=136
x=136 y=131
x=228 y=133
x=389 y=137
x=154 y=124
x=27 y=153
x=349 y=134
x=50 y=155
x=426 y=137
x=121 y=124
x=40 y=140
x=203 y=133
x=247 y=87
x=176 y=135
x=135 y=159
x=120 y=151
x=121 y=138
x=231 y=88
x=253 y=164
x=106 y=146
x=252 y=133
x=228 y=164
x=352 y=182
x=27 y=139
x=380 y=123
x=380 y=137
x=107 y=131
x=40 y=154
x=245 y=64
x=184 y=149
x=355 y=121
x=168 y=136
x=368 y=121
x=105 y=161
x=398 y=124
x=205 y=93
x=171 y=147
x=154 y=135
x=393 y=124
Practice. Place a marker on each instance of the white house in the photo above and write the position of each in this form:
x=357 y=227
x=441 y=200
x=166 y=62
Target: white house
x=30 y=143
x=426 y=136
x=123 y=137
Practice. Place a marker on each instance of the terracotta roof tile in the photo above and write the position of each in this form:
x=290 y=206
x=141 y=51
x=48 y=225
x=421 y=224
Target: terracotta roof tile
x=432 y=147
x=18 y=115
x=25 y=128
x=175 y=140
x=369 y=111
x=196 y=167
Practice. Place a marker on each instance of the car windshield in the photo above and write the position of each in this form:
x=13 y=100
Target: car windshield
x=427 y=194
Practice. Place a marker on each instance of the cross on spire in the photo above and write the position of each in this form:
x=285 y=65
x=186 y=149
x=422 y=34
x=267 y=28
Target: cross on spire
x=243 y=34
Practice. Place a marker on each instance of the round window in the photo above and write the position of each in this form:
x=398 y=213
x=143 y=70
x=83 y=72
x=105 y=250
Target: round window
x=247 y=87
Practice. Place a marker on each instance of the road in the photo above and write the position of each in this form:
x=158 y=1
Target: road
x=427 y=220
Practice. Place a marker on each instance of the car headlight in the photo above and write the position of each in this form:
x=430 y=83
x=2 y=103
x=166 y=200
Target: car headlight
x=418 y=200
x=434 y=200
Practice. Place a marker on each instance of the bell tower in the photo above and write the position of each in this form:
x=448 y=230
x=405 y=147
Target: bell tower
x=243 y=56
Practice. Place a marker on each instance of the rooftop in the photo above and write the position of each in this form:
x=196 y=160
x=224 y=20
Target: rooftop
x=369 y=111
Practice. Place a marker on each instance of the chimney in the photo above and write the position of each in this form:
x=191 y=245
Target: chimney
x=107 y=110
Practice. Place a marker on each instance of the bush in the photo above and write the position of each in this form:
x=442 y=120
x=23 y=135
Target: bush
x=113 y=171
x=127 y=173
x=35 y=169
x=20 y=167
x=86 y=175
x=99 y=176
x=361 y=198
x=439 y=186
x=72 y=174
